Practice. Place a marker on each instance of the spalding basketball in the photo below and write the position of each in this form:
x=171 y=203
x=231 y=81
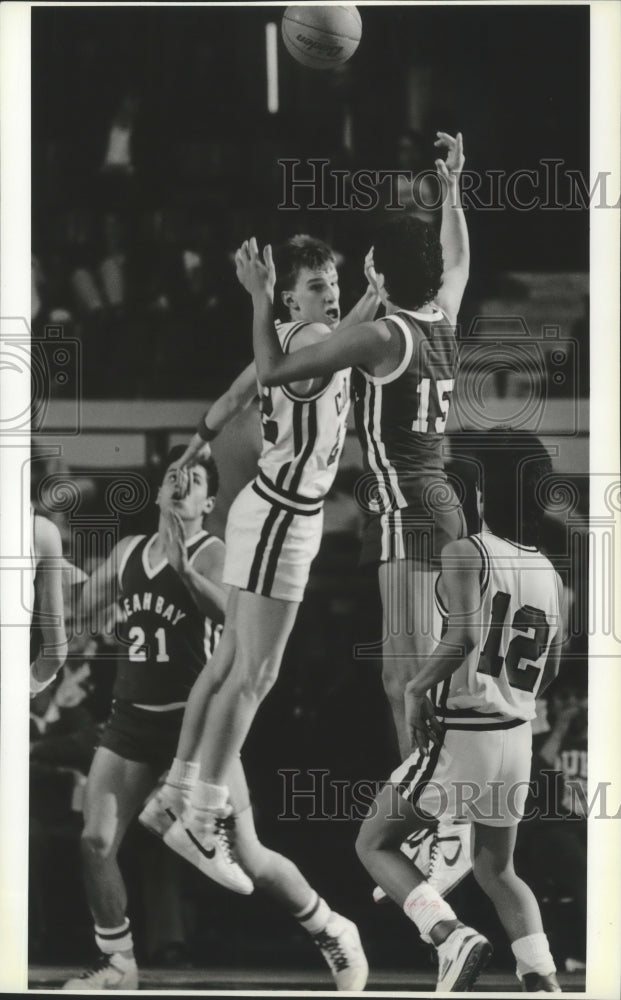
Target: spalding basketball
x=321 y=37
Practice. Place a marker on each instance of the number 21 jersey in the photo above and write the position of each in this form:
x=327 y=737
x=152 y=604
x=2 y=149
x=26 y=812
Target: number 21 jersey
x=166 y=639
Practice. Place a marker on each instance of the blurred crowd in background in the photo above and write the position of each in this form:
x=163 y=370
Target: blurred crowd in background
x=153 y=157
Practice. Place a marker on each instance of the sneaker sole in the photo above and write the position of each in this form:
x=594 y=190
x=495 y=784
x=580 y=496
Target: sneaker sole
x=475 y=963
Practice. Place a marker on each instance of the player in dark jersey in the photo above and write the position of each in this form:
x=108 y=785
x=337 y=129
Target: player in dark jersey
x=171 y=603
x=469 y=713
x=405 y=367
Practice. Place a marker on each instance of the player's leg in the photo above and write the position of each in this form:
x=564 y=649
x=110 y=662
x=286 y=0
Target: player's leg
x=407 y=595
x=204 y=836
x=168 y=802
x=412 y=627
x=262 y=628
x=462 y=951
x=115 y=789
x=515 y=904
x=336 y=937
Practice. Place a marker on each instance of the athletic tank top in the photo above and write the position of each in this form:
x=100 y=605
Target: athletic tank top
x=401 y=417
x=520 y=616
x=303 y=437
x=167 y=640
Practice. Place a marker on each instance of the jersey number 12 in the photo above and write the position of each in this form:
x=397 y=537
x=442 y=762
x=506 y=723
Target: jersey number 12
x=522 y=647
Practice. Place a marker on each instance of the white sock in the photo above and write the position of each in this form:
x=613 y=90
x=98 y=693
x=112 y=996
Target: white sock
x=315 y=916
x=183 y=774
x=111 y=940
x=207 y=796
x=532 y=954
x=426 y=908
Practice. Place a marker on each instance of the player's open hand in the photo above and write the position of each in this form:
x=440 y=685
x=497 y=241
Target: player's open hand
x=451 y=168
x=370 y=272
x=255 y=272
x=421 y=721
x=175 y=548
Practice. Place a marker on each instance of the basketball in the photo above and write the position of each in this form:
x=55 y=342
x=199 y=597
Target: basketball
x=321 y=37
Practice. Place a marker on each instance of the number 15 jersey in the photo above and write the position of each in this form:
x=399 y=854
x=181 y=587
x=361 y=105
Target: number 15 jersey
x=401 y=417
x=519 y=618
x=303 y=437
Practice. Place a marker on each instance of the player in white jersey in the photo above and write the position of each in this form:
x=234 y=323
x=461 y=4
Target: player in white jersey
x=273 y=533
x=469 y=712
x=404 y=367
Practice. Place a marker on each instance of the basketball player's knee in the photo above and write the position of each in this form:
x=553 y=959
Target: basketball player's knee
x=97 y=845
x=370 y=838
x=490 y=874
x=256 y=677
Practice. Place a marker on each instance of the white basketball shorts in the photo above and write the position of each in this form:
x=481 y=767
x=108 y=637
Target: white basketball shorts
x=481 y=775
x=270 y=547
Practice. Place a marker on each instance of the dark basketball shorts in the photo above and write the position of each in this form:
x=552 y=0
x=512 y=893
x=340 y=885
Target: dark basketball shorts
x=143 y=735
x=418 y=532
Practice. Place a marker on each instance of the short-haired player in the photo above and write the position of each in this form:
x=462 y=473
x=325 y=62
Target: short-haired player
x=273 y=533
x=404 y=370
x=469 y=712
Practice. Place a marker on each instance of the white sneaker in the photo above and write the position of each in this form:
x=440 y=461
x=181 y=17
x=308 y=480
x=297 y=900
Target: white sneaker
x=449 y=856
x=161 y=810
x=461 y=958
x=211 y=852
x=341 y=947
x=111 y=972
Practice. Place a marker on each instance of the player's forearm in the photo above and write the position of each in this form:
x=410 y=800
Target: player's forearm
x=269 y=356
x=210 y=598
x=454 y=231
x=448 y=655
x=364 y=310
x=227 y=406
x=50 y=658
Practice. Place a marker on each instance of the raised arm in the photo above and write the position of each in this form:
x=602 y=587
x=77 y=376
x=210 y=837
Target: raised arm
x=357 y=345
x=453 y=231
x=101 y=591
x=203 y=577
x=50 y=607
x=367 y=306
x=237 y=397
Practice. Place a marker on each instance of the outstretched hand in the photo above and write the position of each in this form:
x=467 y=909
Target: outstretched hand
x=370 y=272
x=452 y=166
x=258 y=276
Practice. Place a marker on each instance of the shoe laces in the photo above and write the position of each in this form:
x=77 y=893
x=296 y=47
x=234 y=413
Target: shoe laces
x=102 y=962
x=225 y=835
x=333 y=950
x=433 y=853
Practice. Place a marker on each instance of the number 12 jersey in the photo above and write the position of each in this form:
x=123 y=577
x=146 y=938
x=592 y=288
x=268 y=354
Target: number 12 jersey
x=519 y=618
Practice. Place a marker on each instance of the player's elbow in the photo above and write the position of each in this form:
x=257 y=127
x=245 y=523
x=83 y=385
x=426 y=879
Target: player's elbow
x=268 y=376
